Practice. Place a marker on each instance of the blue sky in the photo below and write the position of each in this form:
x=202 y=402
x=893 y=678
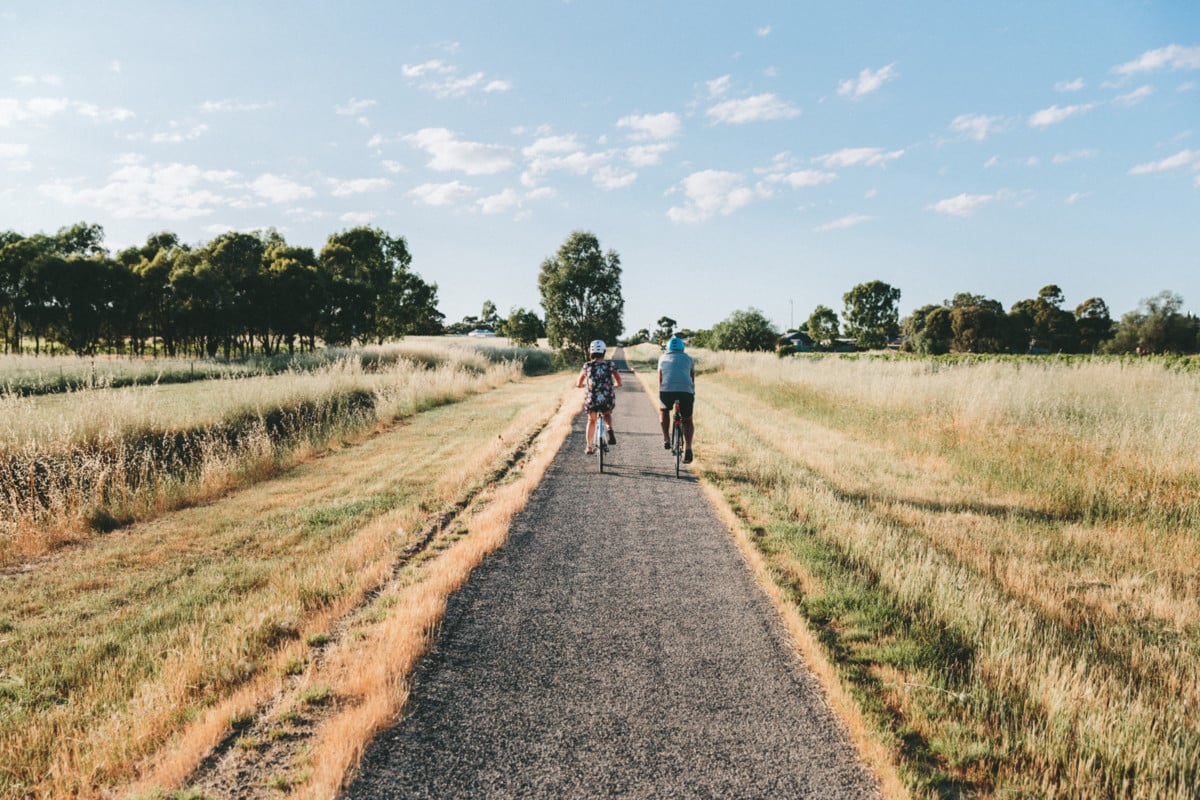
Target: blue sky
x=750 y=154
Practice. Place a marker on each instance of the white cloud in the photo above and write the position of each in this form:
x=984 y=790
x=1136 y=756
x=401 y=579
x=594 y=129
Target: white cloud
x=354 y=107
x=803 y=178
x=393 y=166
x=1075 y=155
x=1054 y=115
x=712 y=192
x=1134 y=97
x=647 y=155
x=848 y=221
x=858 y=156
x=763 y=31
x=1069 y=86
x=752 y=109
x=360 y=185
x=1173 y=56
x=278 y=189
x=435 y=66
x=136 y=191
x=991 y=162
x=358 y=217
x=564 y=153
x=867 y=81
x=229 y=106
x=34 y=80
x=178 y=134
x=1182 y=159
x=449 y=153
x=442 y=194
x=13 y=157
x=41 y=108
x=963 y=205
x=507 y=200
x=610 y=178
x=719 y=87
x=975 y=126
x=651 y=126
x=552 y=145
x=442 y=80
x=1075 y=197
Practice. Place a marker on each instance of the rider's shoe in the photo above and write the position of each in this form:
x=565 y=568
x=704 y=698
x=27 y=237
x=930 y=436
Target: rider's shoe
x=589 y=451
x=612 y=437
x=666 y=445
x=687 y=456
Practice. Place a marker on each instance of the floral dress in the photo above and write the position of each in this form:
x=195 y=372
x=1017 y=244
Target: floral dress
x=599 y=394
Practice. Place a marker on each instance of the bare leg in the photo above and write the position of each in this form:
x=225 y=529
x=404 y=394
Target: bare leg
x=591 y=429
x=608 y=423
x=664 y=419
x=689 y=428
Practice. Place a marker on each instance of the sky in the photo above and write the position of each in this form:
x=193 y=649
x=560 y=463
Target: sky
x=735 y=155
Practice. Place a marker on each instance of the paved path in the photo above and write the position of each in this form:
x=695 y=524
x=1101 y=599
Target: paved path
x=616 y=647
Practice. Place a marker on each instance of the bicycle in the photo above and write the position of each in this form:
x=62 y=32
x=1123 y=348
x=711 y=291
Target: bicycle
x=677 y=440
x=600 y=443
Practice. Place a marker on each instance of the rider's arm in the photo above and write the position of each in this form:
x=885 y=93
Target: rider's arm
x=580 y=380
x=616 y=375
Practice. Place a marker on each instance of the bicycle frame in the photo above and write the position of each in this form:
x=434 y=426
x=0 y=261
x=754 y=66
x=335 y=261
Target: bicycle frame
x=600 y=444
x=677 y=440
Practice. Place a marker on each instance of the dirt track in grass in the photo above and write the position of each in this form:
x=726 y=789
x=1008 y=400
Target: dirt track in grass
x=617 y=646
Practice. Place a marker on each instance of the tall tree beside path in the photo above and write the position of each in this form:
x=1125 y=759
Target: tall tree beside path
x=872 y=315
x=581 y=293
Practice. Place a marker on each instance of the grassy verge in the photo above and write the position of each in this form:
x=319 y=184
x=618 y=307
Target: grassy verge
x=160 y=637
x=1005 y=632
x=79 y=462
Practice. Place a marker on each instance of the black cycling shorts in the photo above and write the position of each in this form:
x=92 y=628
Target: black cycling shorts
x=666 y=400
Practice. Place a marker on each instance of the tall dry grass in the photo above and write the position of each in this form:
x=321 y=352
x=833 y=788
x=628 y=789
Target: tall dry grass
x=1003 y=557
x=91 y=459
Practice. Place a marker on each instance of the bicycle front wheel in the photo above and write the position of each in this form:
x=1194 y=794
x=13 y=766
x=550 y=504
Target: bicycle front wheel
x=677 y=447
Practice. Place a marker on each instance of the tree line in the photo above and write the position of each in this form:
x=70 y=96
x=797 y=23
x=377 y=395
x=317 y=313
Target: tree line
x=238 y=294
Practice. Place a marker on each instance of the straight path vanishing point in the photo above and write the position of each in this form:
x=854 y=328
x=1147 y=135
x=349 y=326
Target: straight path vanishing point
x=617 y=646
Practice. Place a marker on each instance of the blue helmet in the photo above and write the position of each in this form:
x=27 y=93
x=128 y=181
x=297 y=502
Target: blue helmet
x=675 y=345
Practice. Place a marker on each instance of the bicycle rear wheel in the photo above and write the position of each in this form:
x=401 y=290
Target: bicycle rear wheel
x=601 y=441
x=677 y=445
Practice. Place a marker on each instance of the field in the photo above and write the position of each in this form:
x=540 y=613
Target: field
x=999 y=560
x=249 y=598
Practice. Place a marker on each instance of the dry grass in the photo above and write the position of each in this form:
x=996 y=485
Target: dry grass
x=97 y=459
x=1001 y=558
x=152 y=639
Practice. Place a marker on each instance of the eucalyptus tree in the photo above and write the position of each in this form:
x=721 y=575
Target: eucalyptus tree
x=581 y=294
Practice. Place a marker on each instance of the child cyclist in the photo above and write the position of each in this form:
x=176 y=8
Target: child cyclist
x=599 y=378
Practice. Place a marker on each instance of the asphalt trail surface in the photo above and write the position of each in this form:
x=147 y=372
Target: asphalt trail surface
x=617 y=646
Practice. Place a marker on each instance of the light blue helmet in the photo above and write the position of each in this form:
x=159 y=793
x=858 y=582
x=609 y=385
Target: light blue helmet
x=675 y=345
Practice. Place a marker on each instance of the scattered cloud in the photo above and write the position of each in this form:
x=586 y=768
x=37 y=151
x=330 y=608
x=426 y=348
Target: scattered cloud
x=867 y=81
x=278 y=189
x=1173 y=56
x=1134 y=97
x=36 y=80
x=1075 y=197
x=564 y=153
x=354 y=107
x=1069 y=86
x=38 y=109
x=501 y=203
x=1075 y=155
x=358 y=217
x=719 y=87
x=448 y=153
x=975 y=126
x=712 y=192
x=359 y=186
x=1054 y=114
x=442 y=194
x=802 y=178
x=230 y=106
x=609 y=178
x=858 y=156
x=14 y=157
x=1181 y=160
x=647 y=155
x=758 y=108
x=764 y=31
x=176 y=133
x=651 y=126
x=137 y=191
x=393 y=166
x=848 y=221
x=963 y=205
x=442 y=79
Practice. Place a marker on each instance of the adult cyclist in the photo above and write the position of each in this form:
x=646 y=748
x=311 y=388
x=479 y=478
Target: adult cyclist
x=599 y=378
x=677 y=381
